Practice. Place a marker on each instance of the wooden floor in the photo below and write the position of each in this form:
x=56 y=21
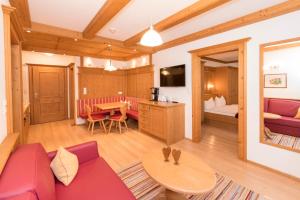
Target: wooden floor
x=218 y=148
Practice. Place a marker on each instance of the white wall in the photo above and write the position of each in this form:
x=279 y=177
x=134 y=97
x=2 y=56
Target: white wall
x=3 y=126
x=287 y=61
x=275 y=29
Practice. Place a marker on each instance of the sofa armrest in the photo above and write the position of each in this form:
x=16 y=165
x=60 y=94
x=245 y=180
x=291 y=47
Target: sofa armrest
x=84 y=152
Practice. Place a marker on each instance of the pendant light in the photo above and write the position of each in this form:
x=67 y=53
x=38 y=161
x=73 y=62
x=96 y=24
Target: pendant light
x=151 y=38
x=110 y=67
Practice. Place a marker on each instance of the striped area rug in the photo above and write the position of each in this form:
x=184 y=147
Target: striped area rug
x=285 y=140
x=145 y=188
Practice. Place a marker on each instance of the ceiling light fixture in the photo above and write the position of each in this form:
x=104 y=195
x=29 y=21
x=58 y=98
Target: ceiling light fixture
x=28 y=31
x=151 y=38
x=110 y=67
x=75 y=39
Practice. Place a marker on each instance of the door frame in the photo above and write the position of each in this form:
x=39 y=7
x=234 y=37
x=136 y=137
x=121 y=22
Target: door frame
x=31 y=96
x=197 y=68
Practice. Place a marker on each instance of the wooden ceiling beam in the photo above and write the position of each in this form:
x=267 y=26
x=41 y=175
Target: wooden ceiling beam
x=104 y=15
x=29 y=47
x=191 y=11
x=264 y=14
x=22 y=11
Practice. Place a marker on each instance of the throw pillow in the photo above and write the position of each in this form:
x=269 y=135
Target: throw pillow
x=64 y=166
x=209 y=104
x=220 y=101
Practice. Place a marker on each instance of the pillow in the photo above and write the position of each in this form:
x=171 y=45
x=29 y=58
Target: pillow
x=220 y=101
x=64 y=166
x=209 y=104
x=298 y=114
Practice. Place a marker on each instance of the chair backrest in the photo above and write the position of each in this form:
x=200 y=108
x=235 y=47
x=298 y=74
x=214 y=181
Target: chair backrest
x=123 y=111
x=89 y=112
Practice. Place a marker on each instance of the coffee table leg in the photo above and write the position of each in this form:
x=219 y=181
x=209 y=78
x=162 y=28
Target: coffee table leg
x=170 y=195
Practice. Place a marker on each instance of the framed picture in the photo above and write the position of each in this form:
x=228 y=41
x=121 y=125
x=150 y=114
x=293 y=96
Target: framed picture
x=275 y=80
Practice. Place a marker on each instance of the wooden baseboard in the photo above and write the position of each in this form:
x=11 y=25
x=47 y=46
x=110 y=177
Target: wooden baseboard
x=6 y=147
x=274 y=170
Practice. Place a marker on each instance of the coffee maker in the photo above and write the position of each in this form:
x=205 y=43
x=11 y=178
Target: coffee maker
x=154 y=94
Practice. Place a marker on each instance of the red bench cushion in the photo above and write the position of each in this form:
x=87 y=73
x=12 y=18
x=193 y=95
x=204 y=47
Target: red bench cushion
x=94 y=180
x=132 y=114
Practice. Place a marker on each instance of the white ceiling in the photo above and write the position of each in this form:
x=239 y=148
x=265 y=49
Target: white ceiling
x=221 y=14
x=228 y=56
x=138 y=14
x=69 y=14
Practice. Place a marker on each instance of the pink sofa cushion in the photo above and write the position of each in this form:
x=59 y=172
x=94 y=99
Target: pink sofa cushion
x=94 y=180
x=283 y=107
x=285 y=121
x=28 y=170
x=24 y=196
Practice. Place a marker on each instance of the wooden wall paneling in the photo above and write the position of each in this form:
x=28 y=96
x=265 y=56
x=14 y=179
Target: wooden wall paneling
x=132 y=83
x=264 y=14
x=17 y=91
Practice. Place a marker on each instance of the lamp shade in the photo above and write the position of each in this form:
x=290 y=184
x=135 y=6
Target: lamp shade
x=151 y=38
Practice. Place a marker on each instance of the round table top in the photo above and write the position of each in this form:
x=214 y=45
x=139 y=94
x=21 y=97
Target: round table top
x=190 y=176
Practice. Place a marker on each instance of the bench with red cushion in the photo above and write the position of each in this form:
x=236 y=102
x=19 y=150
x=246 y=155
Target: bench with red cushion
x=132 y=111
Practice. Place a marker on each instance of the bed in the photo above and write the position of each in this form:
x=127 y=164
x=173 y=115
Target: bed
x=222 y=115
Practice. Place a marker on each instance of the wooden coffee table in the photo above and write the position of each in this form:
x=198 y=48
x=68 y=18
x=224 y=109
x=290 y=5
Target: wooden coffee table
x=190 y=176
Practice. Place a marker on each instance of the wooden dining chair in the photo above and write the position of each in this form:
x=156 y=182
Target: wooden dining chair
x=92 y=119
x=119 y=119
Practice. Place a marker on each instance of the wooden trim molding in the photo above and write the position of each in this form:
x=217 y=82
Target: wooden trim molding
x=264 y=14
x=183 y=15
x=22 y=11
x=7 y=10
x=219 y=60
x=105 y=14
x=198 y=68
x=6 y=147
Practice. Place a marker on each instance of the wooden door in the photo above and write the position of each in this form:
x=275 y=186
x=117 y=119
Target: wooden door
x=48 y=94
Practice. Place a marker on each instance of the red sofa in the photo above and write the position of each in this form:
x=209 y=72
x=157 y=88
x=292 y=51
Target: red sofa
x=27 y=176
x=132 y=112
x=287 y=109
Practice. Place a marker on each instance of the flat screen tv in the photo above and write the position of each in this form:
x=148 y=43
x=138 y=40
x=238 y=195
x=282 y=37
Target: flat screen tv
x=172 y=76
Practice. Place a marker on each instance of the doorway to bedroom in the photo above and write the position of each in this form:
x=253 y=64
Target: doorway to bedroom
x=219 y=96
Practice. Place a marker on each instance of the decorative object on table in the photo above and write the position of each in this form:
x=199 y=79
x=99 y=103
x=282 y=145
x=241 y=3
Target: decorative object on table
x=176 y=155
x=166 y=151
x=275 y=81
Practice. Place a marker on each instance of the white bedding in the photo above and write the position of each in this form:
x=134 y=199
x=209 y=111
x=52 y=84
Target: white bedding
x=228 y=110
